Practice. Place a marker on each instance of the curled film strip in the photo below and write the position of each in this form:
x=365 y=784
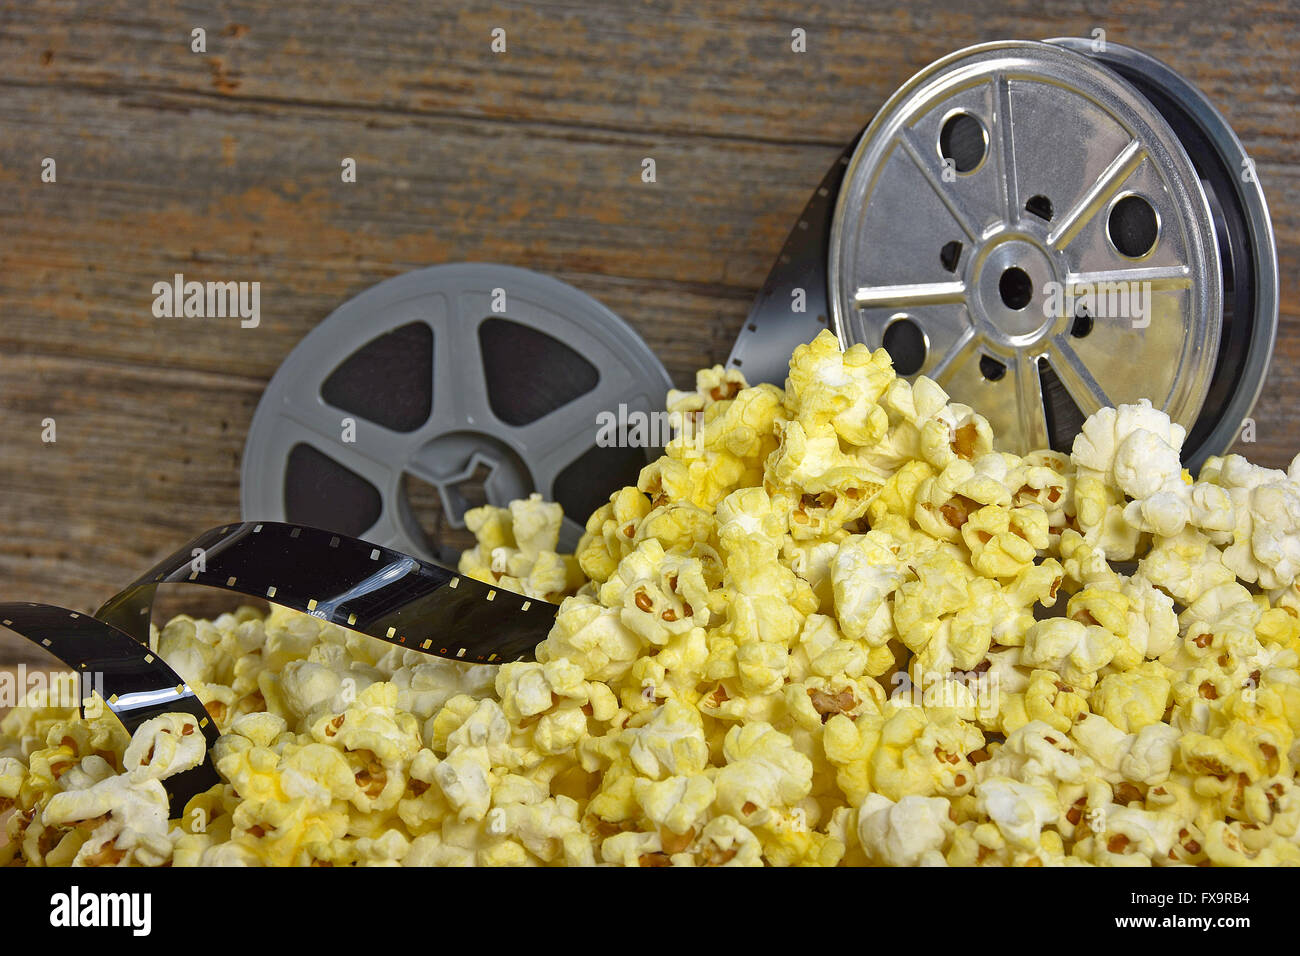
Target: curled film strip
x=135 y=684
x=773 y=328
x=368 y=588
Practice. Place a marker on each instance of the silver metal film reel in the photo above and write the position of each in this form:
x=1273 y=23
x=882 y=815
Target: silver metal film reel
x=482 y=381
x=1001 y=185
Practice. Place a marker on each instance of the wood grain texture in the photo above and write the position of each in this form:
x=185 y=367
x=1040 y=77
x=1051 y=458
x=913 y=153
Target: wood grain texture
x=225 y=165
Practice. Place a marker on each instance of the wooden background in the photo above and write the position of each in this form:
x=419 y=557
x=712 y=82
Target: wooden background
x=225 y=166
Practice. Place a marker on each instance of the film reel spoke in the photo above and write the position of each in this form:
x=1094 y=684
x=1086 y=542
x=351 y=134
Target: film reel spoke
x=1161 y=278
x=460 y=393
x=361 y=445
x=928 y=336
x=388 y=527
x=360 y=457
x=909 y=296
x=548 y=461
x=580 y=422
x=965 y=219
x=1077 y=377
x=1029 y=402
x=1095 y=196
x=950 y=344
x=1004 y=145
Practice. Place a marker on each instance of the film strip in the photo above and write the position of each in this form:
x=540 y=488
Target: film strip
x=366 y=587
x=774 y=329
x=399 y=599
x=135 y=683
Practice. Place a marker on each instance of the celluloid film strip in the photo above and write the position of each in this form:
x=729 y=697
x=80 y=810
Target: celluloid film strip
x=773 y=330
x=134 y=682
x=366 y=587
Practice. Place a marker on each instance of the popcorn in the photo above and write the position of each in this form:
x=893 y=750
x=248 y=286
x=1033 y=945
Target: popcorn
x=593 y=637
x=917 y=753
x=762 y=772
x=911 y=832
x=670 y=743
x=126 y=816
x=165 y=746
x=816 y=632
x=516 y=549
x=1019 y=810
x=610 y=531
x=1144 y=757
x=1134 y=699
x=1133 y=449
x=1265 y=545
x=1038 y=753
x=655 y=591
x=1130 y=836
x=1073 y=650
x=1185 y=566
x=678 y=804
x=726 y=842
x=1044 y=699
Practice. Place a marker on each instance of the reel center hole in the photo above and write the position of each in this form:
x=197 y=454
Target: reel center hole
x=1015 y=288
x=450 y=475
x=443 y=522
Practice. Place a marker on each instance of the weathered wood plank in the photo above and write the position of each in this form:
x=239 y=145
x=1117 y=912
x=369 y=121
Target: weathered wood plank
x=143 y=459
x=145 y=192
x=714 y=68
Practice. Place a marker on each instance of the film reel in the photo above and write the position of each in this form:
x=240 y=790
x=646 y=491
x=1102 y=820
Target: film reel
x=474 y=381
x=1116 y=173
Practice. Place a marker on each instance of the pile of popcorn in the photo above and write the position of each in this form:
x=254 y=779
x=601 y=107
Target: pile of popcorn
x=831 y=625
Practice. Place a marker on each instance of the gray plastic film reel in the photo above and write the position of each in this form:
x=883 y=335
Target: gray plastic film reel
x=439 y=375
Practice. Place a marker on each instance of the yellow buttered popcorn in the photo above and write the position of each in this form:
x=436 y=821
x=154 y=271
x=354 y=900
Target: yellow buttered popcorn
x=834 y=624
x=517 y=549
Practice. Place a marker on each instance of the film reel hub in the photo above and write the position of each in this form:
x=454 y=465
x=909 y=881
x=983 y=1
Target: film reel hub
x=461 y=467
x=1009 y=277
